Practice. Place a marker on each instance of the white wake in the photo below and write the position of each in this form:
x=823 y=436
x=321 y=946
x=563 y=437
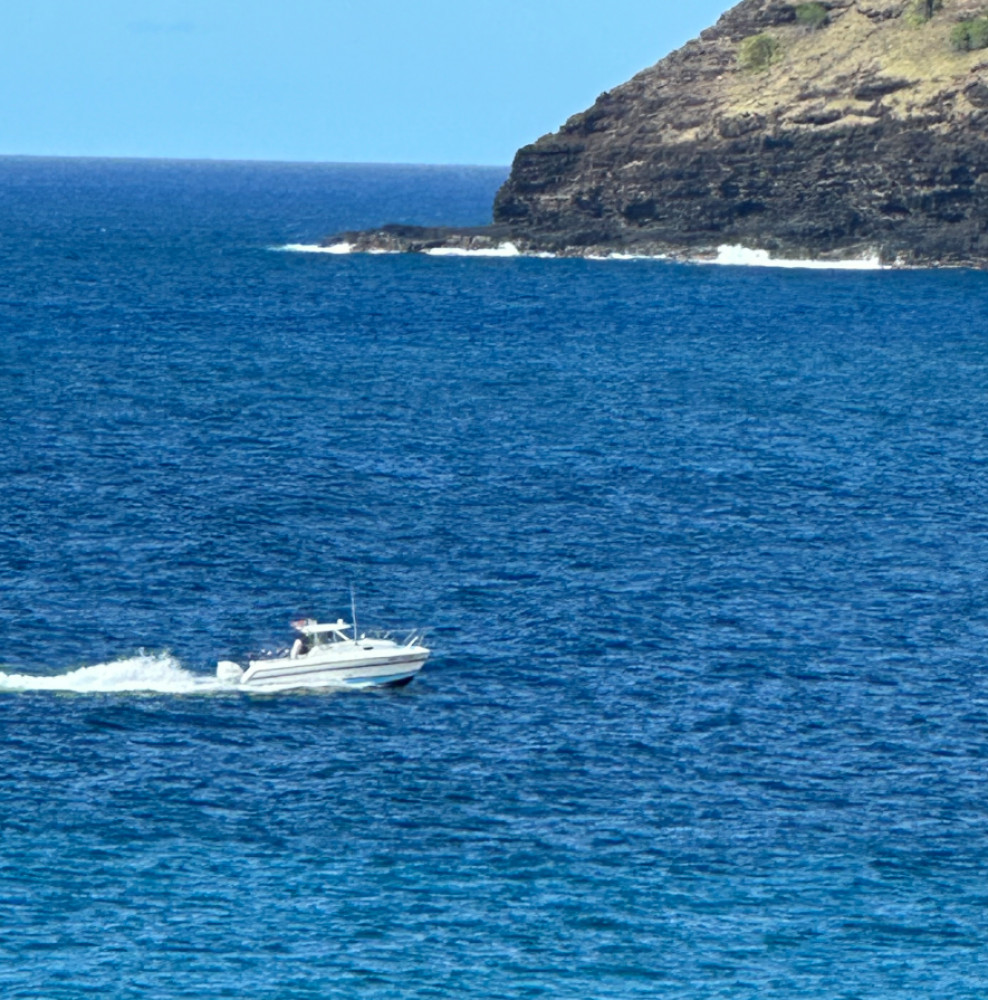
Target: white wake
x=157 y=673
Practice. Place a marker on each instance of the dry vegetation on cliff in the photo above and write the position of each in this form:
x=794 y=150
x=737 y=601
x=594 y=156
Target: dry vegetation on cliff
x=869 y=59
x=828 y=71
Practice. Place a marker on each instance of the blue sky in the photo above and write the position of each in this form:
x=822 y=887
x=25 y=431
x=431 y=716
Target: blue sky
x=420 y=81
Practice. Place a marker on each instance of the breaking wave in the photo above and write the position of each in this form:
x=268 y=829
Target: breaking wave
x=741 y=256
x=732 y=256
x=336 y=248
x=158 y=673
x=501 y=250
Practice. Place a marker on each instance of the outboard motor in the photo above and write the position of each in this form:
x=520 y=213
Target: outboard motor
x=228 y=672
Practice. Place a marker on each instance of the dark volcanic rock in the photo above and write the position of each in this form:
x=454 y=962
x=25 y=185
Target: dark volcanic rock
x=417 y=239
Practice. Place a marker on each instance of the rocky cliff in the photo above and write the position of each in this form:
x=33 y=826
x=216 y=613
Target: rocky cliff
x=832 y=129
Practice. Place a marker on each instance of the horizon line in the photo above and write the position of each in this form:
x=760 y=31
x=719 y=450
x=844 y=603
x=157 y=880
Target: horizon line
x=231 y=160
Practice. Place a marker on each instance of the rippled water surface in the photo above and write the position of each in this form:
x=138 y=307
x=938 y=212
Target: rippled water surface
x=702 y=552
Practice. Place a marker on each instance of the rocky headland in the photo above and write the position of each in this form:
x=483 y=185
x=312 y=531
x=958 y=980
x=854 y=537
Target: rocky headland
x=827 y=131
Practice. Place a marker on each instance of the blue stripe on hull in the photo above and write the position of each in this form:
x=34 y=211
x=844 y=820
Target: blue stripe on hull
x=392 y=680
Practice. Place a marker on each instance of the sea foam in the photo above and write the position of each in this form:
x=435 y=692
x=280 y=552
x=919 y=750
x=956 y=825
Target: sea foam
x=728 y=255
x=152 y=673
x=741 y=256
x=503 y=250
x=335 y=248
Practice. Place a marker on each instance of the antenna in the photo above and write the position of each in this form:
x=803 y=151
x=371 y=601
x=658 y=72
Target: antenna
x=353 y=613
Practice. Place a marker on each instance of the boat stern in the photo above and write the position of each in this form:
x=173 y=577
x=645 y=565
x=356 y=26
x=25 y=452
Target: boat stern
x=229 y=672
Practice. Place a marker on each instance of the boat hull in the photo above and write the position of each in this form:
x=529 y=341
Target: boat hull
x=384 y=668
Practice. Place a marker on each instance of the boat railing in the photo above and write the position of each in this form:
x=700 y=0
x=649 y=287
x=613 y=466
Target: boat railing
x=376 y=633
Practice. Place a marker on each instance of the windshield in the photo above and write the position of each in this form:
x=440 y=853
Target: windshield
x=326 y=638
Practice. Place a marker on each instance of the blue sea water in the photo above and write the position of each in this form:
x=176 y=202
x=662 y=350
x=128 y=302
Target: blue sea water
x=703 y=553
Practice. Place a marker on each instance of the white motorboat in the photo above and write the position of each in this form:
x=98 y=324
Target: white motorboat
x=330 y=655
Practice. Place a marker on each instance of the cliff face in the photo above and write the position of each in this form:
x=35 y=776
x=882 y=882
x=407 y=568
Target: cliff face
x=814 y=130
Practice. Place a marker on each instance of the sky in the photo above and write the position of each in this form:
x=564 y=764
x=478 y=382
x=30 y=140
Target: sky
x=345 y=81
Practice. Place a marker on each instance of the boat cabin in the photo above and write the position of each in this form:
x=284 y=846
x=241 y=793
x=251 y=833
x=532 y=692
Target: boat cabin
x=322 y=634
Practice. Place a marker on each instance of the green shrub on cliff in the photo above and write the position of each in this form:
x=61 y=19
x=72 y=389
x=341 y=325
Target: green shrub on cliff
x=970 y=35
x=758 y=52
x=920 y=11
x=811 y=15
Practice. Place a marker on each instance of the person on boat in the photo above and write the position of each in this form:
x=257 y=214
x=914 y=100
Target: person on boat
x=299 y=648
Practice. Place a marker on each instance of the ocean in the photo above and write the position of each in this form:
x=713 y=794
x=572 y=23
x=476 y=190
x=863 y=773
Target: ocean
x=702 y=553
